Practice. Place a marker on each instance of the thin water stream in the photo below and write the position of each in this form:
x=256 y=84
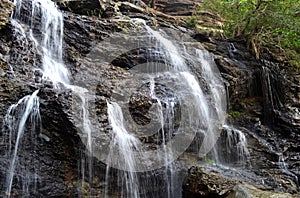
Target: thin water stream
x=202 y=111
x=50 y=26
x=187 y=108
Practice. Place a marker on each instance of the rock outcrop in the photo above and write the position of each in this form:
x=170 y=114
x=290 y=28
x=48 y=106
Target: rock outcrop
x=263 y=100
x=204 y=183
x=210 y=183
x=6 y=8
x=174 y=7
x=86 y=7
x=248 y=191
x=263 y=103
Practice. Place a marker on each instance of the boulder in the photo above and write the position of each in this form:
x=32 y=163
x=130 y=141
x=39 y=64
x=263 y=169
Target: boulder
x=248 y=191
x=204 y=182
x=85 y=7
x=201 y=182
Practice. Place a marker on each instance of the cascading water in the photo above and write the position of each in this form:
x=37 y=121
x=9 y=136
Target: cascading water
x=235 y=138
x=211 y=75
x=125 y=142
x=51 y=26
x=283 y=166
x=18 y=114
x=268 y=95
x=48 y=21
x=25 y=111
x=166 y=118
x=85 y=126
x=213 y=116
x=217 y=93
x=236 y=146
x=206 y=109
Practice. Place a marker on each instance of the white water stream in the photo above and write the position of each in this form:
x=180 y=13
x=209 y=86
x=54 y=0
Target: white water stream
x=25 y=110
x=50 y=25
x=204 y=110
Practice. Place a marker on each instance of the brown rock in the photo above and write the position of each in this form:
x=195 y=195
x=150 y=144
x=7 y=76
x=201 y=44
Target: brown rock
x=204 y=183
x=6 y=7
x=174 y=7
x=248 y=191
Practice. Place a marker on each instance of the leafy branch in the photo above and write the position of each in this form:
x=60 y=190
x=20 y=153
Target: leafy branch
x=271 y=26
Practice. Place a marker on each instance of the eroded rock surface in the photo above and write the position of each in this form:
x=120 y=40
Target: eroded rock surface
x=263 y=99
x=204 y=183
x=6 y=8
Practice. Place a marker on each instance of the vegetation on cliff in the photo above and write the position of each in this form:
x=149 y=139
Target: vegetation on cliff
x=266 y=25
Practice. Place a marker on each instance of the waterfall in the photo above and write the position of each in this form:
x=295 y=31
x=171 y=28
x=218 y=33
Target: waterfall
x=51 y=27
x=268 y=103
x=48 y=21
x=197 y=110
x=166 y=118
x=122 y=141
x=284 y=168
x=212 y=76
x=177 y=61
x=182 y=108
x=235 y=150
x=84 y=125
x=26 y=110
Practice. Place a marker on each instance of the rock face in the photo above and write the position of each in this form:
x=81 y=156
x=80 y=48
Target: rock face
x=263 y=102
x=209 y=183
x=247 y=191
x=87 y=7
x=174 y=7
x=204 y=183
x=6 y=8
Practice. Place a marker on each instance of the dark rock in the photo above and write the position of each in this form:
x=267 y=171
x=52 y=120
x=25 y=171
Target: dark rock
x=174 y=7
x=109 y=12
x=85 y=7
x=263 y=99
x=203 y=183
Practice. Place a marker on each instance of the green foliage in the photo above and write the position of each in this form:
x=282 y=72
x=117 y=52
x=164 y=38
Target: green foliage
x=206 y=160
x=94 y=12
x=267 y=25
x=235 y=113
x=191 y=22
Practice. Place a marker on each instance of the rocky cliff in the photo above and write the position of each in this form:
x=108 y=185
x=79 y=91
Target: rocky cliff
x=263 y=102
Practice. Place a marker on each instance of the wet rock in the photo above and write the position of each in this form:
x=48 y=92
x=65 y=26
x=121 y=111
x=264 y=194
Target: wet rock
x=203 y=183
x=241 y=73
x=253 y=101
x=126 y=7
x=86 y=7
x=6 y=7
x=262 y=101
x=248 y=191
x=175 y=8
